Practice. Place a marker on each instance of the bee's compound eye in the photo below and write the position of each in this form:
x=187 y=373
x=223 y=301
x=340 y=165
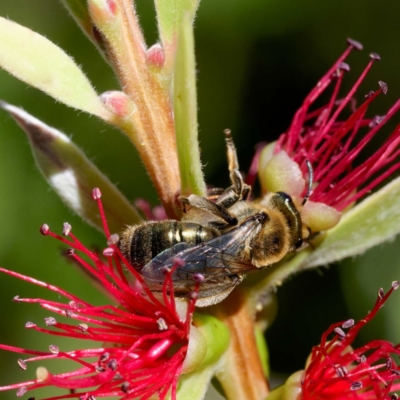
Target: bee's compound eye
x=284 y=196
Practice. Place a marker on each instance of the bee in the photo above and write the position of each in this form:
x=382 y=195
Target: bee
x=221 y=238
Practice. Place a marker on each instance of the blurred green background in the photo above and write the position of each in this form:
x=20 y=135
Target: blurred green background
x=256 y=61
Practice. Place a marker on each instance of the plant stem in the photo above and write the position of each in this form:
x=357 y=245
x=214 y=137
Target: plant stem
x=185 y=105
x=241 y=374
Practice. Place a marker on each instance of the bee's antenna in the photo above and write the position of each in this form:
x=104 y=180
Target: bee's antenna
x=310 y=182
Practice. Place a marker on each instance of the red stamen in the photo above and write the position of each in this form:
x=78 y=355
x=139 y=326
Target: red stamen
x=137 y=337
x=299 y=117
x=337 y=371
x=328 y=144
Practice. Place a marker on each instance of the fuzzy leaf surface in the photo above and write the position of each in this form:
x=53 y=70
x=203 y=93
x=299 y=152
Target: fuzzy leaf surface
x=72 y=175
x=371 y=222
x=194 y=386
x=38 y=62
x=185 y=105
x=170 y=14
x=216 y=336
x=79 y=11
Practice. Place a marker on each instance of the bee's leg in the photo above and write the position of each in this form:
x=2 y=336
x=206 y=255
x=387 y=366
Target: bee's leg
x=246 y=192
x=231 y=151
x=233 y=163
x=231 y=195
x=228 y=198
x=225 y=197
x=214 y=193
x=238 y=186
x=205 y=204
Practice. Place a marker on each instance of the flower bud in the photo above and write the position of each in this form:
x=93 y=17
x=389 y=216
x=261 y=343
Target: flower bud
x=319 y=216
x=155 y=56
x=118 y=103
x=282 y=174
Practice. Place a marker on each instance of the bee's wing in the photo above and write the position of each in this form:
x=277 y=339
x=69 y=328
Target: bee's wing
x=215 y=259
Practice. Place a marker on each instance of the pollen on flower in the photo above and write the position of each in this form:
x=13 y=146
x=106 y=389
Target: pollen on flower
x=142 y=340
x=332 y=143
x=42 y=374
x=44 y=229
x=337 y=371
x=66 y=229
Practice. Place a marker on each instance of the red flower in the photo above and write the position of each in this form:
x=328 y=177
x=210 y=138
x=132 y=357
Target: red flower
x=142 y=341
x=330 y=144
x=336 y=371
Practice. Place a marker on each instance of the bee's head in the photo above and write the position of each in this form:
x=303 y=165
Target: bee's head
x=283 y=203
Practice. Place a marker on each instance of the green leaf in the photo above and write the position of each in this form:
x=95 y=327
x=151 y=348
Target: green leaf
x=269 y=278
x=361 y=277
x=262 y=350
x=214 y=340
x=213 y=393
x=290 y=390
x=185 y=106
x=170 y=14
x=40 y=63
x=371 y=222
x=72 y=175
x=79 y=11
x=194 y=386
x=217 y=336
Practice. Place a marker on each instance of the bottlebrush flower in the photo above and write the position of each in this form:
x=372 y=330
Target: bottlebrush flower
x=336 y=371
x=156 y=107
x=331 y=145
x=143 y=340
